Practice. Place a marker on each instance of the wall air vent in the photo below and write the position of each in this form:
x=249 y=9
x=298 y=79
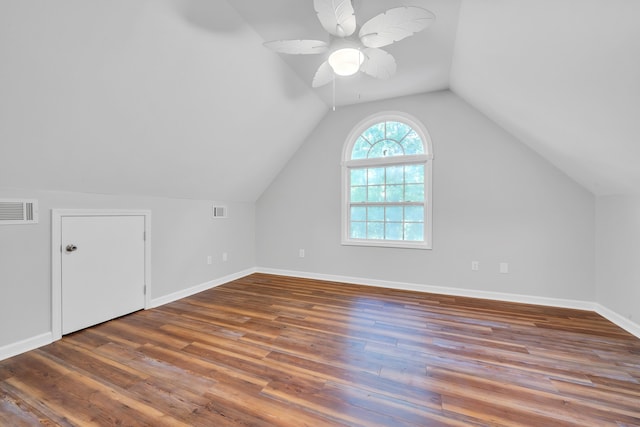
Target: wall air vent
x=220 y=211
x=18 y=211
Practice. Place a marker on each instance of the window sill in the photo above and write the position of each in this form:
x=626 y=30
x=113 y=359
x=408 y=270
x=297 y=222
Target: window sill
x=387 y=244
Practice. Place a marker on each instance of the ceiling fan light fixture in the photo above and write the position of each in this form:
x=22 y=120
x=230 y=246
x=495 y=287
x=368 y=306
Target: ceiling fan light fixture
x=351 y=52
x=346 y=61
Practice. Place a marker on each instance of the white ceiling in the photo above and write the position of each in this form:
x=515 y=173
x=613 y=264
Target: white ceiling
x=137 y=97
x=561 y=75
x=423 y=60
x=179 y=98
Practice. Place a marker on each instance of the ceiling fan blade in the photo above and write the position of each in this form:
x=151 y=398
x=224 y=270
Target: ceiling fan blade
x=336 y=16
x=324 y=75
x=297 y=47
x=378 y=63
x=394 y=25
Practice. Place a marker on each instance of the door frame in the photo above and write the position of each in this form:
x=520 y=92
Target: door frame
x=56 y=257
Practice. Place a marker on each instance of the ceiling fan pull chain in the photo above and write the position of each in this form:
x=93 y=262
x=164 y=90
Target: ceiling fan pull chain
x=334 y=92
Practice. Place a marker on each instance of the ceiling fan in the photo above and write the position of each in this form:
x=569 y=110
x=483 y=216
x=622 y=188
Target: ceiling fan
x=348 y=53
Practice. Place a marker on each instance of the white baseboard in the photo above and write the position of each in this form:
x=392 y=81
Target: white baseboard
x=610 y=315
x=157 y=302
x=623 y=322
x=499 y=296
x=23 y=346
x=28 y=344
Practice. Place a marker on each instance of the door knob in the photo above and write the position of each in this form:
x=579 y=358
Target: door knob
x=71 y=248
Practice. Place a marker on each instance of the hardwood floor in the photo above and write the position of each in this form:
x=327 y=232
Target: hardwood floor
x=275 y=351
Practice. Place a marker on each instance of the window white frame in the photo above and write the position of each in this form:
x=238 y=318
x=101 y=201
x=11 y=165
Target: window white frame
x=348 y=164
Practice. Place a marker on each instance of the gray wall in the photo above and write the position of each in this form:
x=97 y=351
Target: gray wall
x=618 y=255
x=494 y=201
x=183 y=234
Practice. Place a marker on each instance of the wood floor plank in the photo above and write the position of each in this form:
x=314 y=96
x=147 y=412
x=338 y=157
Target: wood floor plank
x=16 y=413
x=274 y=351
x=26 y=401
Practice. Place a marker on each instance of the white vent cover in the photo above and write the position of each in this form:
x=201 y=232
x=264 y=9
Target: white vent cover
x=220 y=211
x=18 y=211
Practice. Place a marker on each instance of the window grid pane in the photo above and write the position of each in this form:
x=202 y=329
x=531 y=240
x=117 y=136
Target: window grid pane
x=412 y=144
x=378 y=210
x=401 y=222
x=383 y=184
x=389 y=138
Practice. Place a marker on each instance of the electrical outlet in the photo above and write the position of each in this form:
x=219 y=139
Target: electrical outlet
x=475 y=265
x=225 y=257
x=301 y=253
x=504 y=267
x=209 y=260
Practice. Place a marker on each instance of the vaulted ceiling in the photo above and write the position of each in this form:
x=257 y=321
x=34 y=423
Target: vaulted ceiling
x=561 y=75
x=144 y=97
x=179 y=98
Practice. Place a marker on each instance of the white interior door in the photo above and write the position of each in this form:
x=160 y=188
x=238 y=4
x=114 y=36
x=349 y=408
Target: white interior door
x=102 y=268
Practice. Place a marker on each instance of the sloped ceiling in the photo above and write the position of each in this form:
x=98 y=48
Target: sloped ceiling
x=561 y=75
x=150 y=97
x=179 y=98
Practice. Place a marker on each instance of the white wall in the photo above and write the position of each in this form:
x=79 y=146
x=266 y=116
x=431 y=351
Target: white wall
x=494 y=200
x=618 y=255
x=183 y=234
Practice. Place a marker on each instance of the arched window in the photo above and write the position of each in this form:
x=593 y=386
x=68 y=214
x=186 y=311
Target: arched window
x=386 y=171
